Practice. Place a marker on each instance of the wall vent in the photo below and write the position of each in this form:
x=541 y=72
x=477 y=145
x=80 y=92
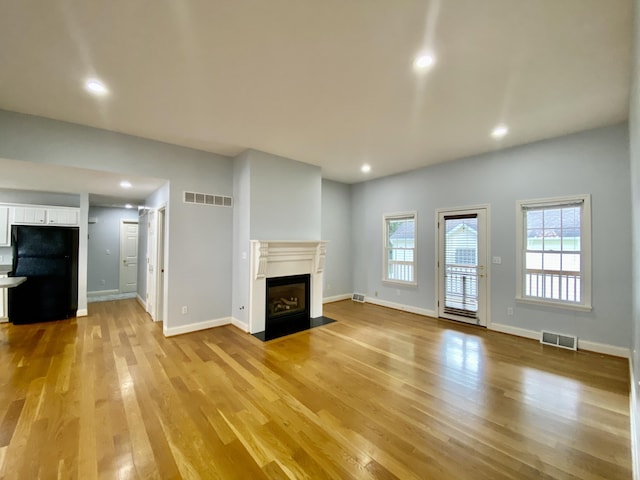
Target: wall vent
x=208 y=199
x=358 y=297
x=558 y=340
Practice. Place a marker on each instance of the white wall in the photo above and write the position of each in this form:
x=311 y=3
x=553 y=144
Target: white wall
x=103 y=263
x=142 y=254
x=200 y=238
x=336 y=229
x=594 y=162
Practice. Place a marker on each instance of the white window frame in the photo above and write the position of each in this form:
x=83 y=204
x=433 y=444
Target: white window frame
x=385 y=242
x=585 y=250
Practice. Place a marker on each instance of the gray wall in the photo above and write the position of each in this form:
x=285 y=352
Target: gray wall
x=594 y=162
x=285 y=198
x=39 y=198
x=634 y=127
x=275 y=198
x=200 y=239
x=336 y=229
x=103 y=269
x=241 y=226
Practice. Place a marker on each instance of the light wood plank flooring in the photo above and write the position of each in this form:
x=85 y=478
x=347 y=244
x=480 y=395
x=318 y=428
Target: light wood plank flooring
x=379 y=394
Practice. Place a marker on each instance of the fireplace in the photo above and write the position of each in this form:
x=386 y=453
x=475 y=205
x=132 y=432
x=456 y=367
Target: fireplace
x=274 y=260
x=287 y=301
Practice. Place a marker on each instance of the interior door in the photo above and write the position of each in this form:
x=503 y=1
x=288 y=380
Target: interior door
x=128 y=256
x=462 y=265
x=151 y=263
x=160 y=266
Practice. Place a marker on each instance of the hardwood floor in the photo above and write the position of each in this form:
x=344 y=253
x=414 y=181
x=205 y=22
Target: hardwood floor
x=378 y=394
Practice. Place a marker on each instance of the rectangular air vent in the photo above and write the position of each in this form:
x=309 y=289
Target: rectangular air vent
x=358 y=297
x=559 y=340
x=208 y=199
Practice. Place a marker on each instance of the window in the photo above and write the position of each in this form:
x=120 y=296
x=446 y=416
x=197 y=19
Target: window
x=554 y=247
x=399 y=262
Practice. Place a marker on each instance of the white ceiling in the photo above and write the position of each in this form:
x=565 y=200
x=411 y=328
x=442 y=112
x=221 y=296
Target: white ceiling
x=324 y=82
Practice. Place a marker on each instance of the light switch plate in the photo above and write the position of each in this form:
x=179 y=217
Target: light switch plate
x=497 y=260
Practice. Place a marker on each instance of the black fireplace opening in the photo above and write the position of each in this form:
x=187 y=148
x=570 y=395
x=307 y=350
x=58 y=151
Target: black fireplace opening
x=288 y=307
x=287 y=301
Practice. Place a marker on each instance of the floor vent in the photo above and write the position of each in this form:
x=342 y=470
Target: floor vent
x=558 y=340
x=207 y=199
x=358 y=297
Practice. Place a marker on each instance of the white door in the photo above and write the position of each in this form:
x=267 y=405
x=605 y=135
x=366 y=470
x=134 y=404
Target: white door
x=462 y=265
x=161 y=267
x=151 y=263
x=128 y=256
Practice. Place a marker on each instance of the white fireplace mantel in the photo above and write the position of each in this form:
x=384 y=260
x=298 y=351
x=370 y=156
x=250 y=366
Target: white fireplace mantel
x=281 y=258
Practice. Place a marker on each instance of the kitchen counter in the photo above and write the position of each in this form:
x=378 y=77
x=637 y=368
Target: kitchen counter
x=11 y=282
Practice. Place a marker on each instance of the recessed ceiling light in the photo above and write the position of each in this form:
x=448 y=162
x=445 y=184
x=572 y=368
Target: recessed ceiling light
x=125 y=184
x=96 y=87
x=128 y=205
x=366 y=168
x=500 y=131
x=424 y=61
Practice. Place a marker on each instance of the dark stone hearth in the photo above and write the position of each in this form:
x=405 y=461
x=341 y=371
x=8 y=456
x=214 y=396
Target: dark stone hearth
x=288 y=329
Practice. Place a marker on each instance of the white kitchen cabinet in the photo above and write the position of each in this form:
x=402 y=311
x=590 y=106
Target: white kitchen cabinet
x=62 y=216
x=36 y=215
x=4 y=309
x=29 y=215
x=5 y=231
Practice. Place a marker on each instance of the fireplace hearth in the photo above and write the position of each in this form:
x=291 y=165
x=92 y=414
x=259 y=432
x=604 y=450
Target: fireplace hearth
x=288 y=307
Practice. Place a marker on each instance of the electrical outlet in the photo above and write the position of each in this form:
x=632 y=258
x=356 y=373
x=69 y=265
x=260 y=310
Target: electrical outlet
x=102 y=282
x=185 y=310
x=509 y=311
x=108 y=252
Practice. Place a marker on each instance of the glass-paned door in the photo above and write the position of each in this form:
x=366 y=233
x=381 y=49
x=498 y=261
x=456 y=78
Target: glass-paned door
x=462 y=265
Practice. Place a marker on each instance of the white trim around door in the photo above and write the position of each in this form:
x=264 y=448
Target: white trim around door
x=473 y=287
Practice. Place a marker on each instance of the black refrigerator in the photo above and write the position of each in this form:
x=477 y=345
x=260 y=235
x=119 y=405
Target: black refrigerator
x=48 y=257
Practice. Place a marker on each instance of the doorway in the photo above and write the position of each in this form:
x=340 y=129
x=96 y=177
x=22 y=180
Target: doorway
x=462 y=269
x=128 y=256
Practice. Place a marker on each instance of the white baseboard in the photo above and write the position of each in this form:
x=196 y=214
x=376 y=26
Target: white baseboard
x=102 y=293
x=195 y=327
x=517 y=331
x=82 y=312
x=240 y=324
x=141 y=302
x=582 y=344
x=337 y=298
x=634 y=419
x=399 y=306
